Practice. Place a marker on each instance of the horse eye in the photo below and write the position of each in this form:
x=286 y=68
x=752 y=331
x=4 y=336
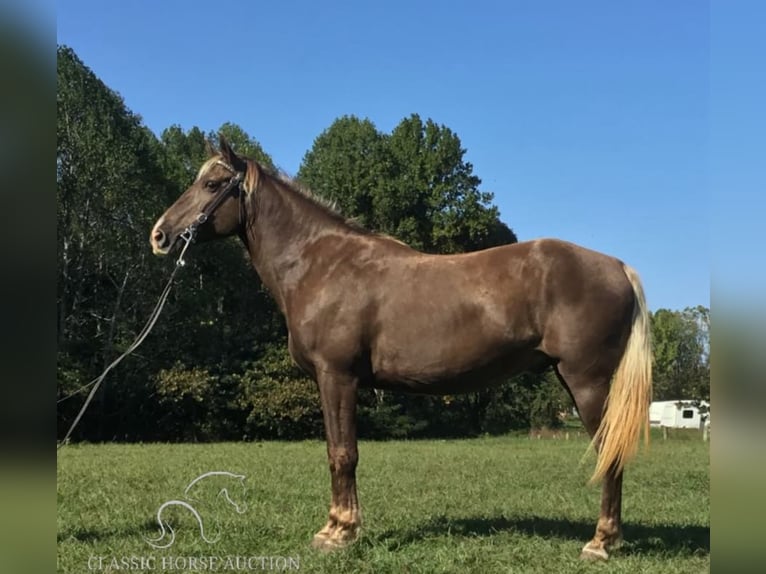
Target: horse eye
x=211 y=184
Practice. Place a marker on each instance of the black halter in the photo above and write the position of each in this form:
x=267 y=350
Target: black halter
x=188 y=234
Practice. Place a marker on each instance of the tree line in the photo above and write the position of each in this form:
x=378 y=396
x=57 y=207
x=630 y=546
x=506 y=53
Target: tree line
x=216 y=365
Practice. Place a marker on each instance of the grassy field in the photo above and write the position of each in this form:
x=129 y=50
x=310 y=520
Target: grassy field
x=509 y=504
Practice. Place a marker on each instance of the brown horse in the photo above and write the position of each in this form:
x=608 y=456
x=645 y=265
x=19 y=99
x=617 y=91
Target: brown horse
x=365 y=310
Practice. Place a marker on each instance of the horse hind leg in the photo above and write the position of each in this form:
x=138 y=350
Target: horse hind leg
x=589 y=394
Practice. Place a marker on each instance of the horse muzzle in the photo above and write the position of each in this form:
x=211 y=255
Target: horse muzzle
x=160 y=241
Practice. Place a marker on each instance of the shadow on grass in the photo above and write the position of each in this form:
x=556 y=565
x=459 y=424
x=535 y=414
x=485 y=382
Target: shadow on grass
x=148 y=528
x=639 y=538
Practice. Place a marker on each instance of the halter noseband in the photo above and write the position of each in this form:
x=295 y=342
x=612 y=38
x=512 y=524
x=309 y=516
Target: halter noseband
x=187 y=235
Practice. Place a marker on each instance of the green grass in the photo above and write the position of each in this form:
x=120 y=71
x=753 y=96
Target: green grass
x=508 y=504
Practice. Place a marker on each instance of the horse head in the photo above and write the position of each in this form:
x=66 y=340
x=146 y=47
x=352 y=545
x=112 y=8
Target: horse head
x=213 y=206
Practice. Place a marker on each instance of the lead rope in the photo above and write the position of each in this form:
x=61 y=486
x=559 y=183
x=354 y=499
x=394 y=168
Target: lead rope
x=188 y=237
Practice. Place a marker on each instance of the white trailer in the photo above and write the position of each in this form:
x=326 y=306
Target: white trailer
x=680 y=414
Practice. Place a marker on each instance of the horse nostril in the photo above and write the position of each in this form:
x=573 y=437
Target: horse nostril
x=158 y=237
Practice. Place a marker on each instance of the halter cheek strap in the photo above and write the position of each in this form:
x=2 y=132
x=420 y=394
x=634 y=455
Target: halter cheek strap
x=188 y=234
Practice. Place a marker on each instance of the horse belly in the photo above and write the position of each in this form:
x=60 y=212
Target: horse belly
x=448 y=367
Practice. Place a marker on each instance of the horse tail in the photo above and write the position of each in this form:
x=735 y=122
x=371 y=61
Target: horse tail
x=626 y=411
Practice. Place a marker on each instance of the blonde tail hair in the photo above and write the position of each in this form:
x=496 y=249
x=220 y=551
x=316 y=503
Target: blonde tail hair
x=626 y=411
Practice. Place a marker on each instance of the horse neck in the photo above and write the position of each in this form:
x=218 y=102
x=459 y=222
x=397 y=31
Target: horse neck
x=278 y=230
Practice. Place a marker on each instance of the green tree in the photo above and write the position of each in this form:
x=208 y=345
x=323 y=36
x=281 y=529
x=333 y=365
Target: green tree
x=434 y=195
x=349 y=165
x=681 y=345
x=279 y=400
x=184 y=152
x=109 y=186
x=412 y=184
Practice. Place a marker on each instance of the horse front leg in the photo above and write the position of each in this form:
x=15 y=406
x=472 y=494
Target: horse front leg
x=339 y=395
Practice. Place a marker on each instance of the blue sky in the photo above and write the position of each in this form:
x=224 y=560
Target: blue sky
x=588 y=121
x=737 y=153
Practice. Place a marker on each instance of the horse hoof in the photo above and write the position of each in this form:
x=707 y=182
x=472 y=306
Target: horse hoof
x=326 y=544
x=593 y=554
x=334 y=540
x=320 y=541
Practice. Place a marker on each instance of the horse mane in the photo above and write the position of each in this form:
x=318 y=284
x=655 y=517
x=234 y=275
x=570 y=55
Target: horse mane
x=255 y=171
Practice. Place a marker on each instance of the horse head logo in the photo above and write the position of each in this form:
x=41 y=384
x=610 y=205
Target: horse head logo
x=233 y=494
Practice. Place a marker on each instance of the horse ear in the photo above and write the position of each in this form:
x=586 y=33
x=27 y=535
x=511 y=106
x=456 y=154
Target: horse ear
x=226 y=151
x=229 y=155
x=210 y=148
